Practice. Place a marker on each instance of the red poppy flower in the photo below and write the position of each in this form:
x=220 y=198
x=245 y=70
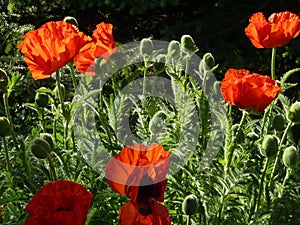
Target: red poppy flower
x=60 y=202
x=140 y=173
x=248 y=91
x=103 y=45
x=51 y=47
x=277 y=31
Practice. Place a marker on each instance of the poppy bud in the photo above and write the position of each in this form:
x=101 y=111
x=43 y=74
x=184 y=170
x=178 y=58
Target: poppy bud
x=41 y=99
x=3 y=80
x=40 y=148
x=294 y=113
x=290 y=156
x=5 y=128
x=188 y=43
x=269 y=146
x=48 y=137
x=146 y=46
x=190 y=204
x=159 y=65
x=174 y=49
x=209 y=60
x=240 y=137
x=71 y=20
x=278 y=122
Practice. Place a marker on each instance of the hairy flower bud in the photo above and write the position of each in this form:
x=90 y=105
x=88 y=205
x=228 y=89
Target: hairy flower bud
x=269 y=146
x=42 y=99
x=278 y=122
x=146 y=46
x=3 y=80
x=40 y=148
x=294 y=113
x=240 y=137
x=174 y=49
x=290 y=156
x=48 y=137
x=159 y=65
x=71 y=20
x=5 y=128
x=188 y=43
x=190 y=204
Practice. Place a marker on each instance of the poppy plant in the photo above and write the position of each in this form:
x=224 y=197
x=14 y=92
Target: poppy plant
x=60 y=202
x=102 y=45
x=248 y=91
x=140 y=172
x=277 y=31
x=51 y=47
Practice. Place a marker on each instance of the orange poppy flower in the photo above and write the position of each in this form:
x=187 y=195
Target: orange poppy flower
x=103 y=45
x=248 y=91
x=51 y=47
x=277 y=31
x=140 y=173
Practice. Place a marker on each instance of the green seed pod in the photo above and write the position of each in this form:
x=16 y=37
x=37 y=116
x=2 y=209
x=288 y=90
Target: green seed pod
x=48 y=137
x=269 y=146
x=188 y=43
x=290 y=156
x=42 y=99
x=3 y=80
x=294 y=113
x=190 y=204
x=174 y=49
x=5 y=128
x=146 y=46
x=71 y=20
x=40 y=148
x=240 y=137
x=278 y=122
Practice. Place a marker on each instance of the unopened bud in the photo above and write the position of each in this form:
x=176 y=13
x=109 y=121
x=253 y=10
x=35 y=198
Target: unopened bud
x=294 y=113
x=174 y=49
x=290 y=156
x=40 y=148
x=188 y=43
x=190 y=204
x=5 y=128
x=42 y=99
x=278 y=122
x=240 y=136
x=269 y=146
x=71 y=20
x=48 y=137
x=146 y=46
x=159 y=65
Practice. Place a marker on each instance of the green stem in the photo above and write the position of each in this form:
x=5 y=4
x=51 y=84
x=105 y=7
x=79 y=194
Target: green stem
x=287 y=175
x=261 y=185
x=187 y=220
x=6 y=106
x=6 y=155
x=60 y=94
x=279 y=153
x=273 y=60
x=52 y=168
x=232 y=145
x=71 y=67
